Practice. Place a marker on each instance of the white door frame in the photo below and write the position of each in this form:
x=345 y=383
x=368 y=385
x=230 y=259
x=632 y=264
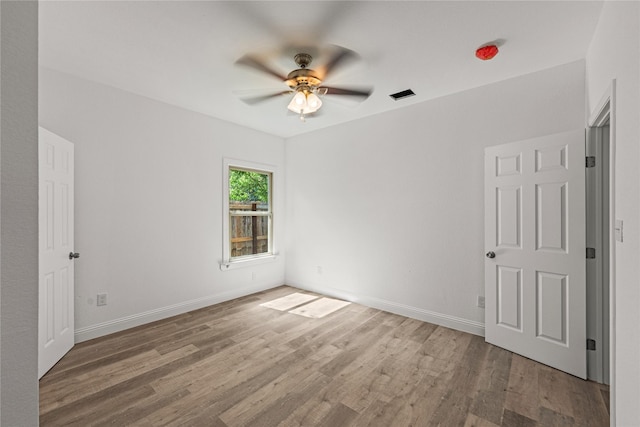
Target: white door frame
x=597 y=232
x=605 y=112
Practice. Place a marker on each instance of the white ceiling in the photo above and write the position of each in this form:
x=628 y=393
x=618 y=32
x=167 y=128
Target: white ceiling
x=183 y=52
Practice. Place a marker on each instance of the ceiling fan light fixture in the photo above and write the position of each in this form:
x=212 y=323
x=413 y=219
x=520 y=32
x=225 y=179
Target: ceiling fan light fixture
x=298 y=103
x=300 y=100
x=313 y=103
x=304 y=102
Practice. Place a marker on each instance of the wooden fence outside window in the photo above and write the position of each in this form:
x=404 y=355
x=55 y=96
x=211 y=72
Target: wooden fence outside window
x=249 y=233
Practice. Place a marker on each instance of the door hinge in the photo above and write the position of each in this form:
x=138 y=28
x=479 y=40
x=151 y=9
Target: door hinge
x=591 y=253
x=591 y=344
x=590 y=161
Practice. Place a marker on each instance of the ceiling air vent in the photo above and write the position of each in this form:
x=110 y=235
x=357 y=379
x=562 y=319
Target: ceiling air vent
x=402 y=94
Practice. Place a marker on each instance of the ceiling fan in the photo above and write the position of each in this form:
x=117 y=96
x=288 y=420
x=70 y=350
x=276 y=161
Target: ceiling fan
x=304 y=83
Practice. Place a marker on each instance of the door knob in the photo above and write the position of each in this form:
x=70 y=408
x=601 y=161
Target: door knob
x=491 y=254
x=73 y=255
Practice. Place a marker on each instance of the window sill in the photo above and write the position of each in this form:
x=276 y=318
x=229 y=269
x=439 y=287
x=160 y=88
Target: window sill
x=248 y=262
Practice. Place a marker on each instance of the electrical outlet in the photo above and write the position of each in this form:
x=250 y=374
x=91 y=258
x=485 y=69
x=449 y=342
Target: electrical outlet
x=101 y=299
x=480 y=301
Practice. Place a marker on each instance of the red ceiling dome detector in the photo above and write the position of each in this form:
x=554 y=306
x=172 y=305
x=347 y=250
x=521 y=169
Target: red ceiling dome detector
x=487 y=52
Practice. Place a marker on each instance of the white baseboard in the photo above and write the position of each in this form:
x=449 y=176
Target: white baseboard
x=116 y=325
x=453 y=322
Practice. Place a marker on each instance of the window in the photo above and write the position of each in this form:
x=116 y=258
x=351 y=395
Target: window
x=248 y=234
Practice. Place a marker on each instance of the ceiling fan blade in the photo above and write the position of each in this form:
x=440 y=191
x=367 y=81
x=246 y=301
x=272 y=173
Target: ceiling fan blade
x=257 y=99
x=257 y=64
x=363 y=93
x=340 y=57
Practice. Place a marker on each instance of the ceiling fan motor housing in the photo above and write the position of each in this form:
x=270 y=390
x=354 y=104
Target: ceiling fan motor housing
x=302 y=77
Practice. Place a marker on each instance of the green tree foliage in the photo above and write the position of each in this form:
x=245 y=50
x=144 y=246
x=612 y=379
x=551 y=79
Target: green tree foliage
x=246 y=186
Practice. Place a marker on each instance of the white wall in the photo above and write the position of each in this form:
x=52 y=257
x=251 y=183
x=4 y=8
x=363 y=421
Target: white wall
x=390 y=208
x=18 y=214
x=614 y=53
x=149 y=203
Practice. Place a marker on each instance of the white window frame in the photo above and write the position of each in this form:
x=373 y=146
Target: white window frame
x=227 y=262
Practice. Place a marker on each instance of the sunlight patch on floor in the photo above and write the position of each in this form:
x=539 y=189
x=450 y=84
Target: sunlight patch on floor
x=306 y=305
x=290 y=301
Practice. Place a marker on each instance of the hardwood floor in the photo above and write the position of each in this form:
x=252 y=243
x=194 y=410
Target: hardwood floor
x=239 y=364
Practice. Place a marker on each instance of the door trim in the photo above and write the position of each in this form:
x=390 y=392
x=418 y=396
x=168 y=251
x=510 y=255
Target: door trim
x=605 y=111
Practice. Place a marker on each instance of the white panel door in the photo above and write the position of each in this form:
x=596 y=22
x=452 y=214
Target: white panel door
x=56 y=287
x=535 y=284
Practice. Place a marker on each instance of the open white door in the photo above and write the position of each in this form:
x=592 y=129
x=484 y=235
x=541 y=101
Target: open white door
x=56 y=288
x=535 y=237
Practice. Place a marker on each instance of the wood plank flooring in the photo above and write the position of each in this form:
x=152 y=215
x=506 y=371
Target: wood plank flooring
x=239 y=364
